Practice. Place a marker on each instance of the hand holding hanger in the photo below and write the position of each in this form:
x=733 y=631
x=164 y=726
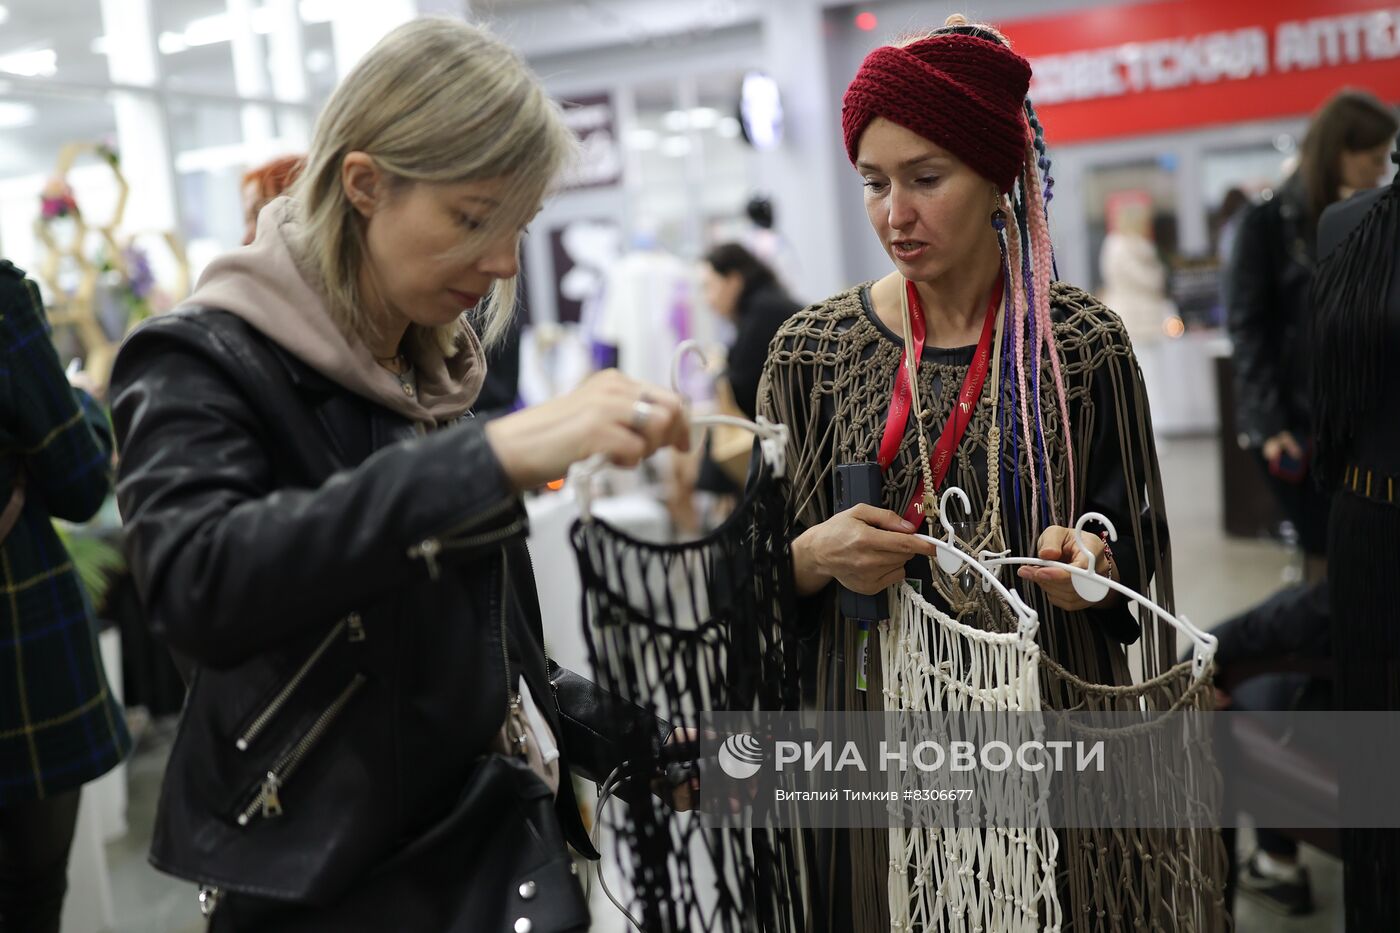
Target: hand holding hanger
x=1073 y=547
x=610 y=418
x=1087 y=583
x=658 y=417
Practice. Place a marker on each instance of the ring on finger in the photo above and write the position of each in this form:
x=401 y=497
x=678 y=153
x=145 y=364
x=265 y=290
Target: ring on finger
x=641 y=413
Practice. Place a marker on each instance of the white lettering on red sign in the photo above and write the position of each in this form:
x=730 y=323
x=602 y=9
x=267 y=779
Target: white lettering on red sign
x=1234 y=55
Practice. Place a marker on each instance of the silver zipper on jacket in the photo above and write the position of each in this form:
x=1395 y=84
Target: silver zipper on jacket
x=429 y=548
x=209 y=900
x=270 y=711
x=515 y=703
x=267 y=799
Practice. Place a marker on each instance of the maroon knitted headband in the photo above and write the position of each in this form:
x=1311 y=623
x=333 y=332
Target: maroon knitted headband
x=963 y=93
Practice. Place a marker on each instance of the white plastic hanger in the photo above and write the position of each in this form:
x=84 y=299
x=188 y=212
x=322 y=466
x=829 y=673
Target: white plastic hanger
x=951 y=558
x=772 y=438
x=1089 y=584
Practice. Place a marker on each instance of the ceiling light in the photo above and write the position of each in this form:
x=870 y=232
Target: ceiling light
x=676 y=120
x=642 y=139
x=208 y=30
x=264 y=20
x=39 y=63
x=171 y=43
x=675 y=146
x=14 y=115
x=702 y=118
x=317 y=11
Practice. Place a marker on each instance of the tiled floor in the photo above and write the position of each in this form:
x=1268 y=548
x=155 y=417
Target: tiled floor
x=1215 y=577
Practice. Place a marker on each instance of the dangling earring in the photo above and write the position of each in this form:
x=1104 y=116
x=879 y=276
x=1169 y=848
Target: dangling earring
x=999 y=219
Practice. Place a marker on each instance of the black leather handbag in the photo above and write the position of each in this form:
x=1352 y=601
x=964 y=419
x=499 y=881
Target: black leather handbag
x=521 y=877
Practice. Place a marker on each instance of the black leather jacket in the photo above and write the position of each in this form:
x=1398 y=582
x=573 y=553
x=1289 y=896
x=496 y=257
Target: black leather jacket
x=353 y=599
x=1269 y=276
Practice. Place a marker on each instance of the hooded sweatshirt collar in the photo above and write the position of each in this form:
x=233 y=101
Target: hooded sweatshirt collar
x=270 y=286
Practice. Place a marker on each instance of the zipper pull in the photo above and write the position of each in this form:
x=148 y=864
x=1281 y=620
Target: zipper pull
x=271 y=802
x=428 y=549
x=209 y=900
x=516 y=717
x=355 y=627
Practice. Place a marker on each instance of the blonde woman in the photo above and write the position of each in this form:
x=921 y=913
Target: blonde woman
x=337 y=549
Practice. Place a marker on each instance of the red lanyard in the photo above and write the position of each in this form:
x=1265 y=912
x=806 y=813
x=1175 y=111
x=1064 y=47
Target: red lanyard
x=961 y=416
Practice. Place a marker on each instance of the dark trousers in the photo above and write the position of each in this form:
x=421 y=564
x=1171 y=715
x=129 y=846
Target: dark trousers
x=1280 y=692
x=34 y=841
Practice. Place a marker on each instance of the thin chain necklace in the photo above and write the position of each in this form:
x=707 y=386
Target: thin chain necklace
x=402 y=371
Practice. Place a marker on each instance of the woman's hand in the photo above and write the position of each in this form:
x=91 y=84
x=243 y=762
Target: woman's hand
x=863 y=548
x=609 y=414
x=1282 y=443
x=1060 y=544
x=685 y=795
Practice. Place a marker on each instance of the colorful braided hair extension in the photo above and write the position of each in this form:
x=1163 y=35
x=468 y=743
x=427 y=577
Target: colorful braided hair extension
x=1027 y=251
x=1028 y=267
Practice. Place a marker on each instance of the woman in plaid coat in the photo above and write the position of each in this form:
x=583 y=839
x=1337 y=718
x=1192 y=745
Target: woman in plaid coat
x=60 y=726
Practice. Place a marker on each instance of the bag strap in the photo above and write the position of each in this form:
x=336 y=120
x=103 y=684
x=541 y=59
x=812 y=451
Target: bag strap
x=10 y=516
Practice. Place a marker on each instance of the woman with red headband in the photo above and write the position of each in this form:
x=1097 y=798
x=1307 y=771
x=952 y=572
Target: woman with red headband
x=1026 y=396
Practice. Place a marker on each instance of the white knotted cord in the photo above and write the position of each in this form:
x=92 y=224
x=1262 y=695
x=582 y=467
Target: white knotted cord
x=966 y=879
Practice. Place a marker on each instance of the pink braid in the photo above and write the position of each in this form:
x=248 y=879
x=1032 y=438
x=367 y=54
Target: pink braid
x=1016 y=309
x=1041 y=264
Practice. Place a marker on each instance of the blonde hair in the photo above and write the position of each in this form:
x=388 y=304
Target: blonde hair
x=955 y=20
x=438 y=101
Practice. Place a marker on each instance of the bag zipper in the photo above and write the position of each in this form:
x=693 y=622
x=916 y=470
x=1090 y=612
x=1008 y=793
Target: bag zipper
x=270 y=711
x=514 y=703
x=430 y=547
x=209 y=896
x=267 y=799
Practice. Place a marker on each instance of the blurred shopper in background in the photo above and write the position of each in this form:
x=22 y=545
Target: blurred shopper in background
x=373 y=738
x=1135 y=283
x=742 y=289
x=768 y=244
x=262 y=184
x=1356 y=393
x=1343 y=152
x=60 y=725
x=1270 y=318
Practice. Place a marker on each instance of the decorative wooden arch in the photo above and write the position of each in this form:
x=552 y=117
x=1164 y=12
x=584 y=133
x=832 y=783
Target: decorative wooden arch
x=78 y=309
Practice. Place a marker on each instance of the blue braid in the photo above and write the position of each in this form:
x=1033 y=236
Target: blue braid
x=1043 y=162
x=1042 y=473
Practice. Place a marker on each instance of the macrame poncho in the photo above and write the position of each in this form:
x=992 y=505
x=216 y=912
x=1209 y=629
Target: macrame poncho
x=828 y=378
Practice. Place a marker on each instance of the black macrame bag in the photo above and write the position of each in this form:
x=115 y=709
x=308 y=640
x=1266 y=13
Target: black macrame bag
x=677 y=629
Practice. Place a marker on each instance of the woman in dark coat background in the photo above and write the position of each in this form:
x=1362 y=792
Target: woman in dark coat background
x=1356 y=386
x=1343 y=152
x=743 y=289
x=1270 y=318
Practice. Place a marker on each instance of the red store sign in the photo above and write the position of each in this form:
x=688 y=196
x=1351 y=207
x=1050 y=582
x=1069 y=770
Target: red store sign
x=1154 y=67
